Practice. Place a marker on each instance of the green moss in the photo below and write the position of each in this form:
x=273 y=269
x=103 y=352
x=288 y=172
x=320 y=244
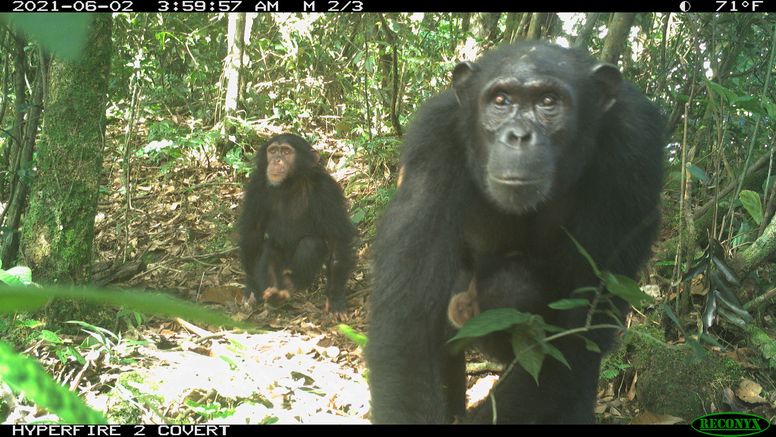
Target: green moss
x=680 y=381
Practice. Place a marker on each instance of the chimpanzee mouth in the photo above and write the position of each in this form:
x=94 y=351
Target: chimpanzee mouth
x=515 y=181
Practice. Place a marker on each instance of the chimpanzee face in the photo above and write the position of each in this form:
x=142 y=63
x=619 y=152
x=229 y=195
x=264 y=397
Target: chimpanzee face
x=281 y=158
x=531 y=114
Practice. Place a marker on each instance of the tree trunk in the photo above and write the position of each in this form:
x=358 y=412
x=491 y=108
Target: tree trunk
x=487 y=28
x=762 y=248
x=235 y=38
x=617 y=36
x=12 y=147
x=583 y=39
x=390 y=66
x=22 y=164
x=536 y=26
x=513 y=26
x=466 y=21
x=58 y=230
x=245 y=61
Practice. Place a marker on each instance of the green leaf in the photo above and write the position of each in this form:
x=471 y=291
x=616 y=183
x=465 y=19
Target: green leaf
x=682 y=98
x=25 y=375
x=581 y=290
x=13 y=299
x=50 y=337
x=706 y=338
x=726 y=271
x=749 y=103
x=358 y=216
x=752 y=204
x=9 y=278
x=744 y=234
x=528 y=353
x=626 y=288
x=63 y=34
x=698 y=173
x=568 y=304
x=491 y=321
x=722 y=91
x=585 y=254
x=551 y=328
x=22 y=273
x=73 y=352
x=590 y=345
x=671 y=316
x=770 y=107
x=555 y=353
x=32 y=324
x=352 y=335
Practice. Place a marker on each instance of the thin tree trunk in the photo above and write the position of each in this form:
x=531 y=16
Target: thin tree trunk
x=235 y=38
x=23 y=164
x=617 y=36
x=583 y=39
x=536 y=27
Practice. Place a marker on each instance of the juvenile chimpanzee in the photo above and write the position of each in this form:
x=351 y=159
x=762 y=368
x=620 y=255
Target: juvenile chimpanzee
x=294 y=219
x=531 y=142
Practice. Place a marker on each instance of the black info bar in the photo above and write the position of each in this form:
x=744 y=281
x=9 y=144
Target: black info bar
x=339 y=6
x=117 y=430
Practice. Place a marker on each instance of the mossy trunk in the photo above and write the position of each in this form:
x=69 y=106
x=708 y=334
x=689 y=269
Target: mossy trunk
x=58 y=230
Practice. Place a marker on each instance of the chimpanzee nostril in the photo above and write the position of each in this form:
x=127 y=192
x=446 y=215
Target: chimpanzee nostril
x=516 y=136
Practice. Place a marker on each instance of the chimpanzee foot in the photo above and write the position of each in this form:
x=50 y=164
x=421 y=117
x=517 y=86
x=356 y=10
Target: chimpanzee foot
x=337 y=308
x=275 y=297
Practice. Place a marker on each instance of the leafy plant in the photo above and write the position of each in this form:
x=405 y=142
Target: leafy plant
x=531 y=336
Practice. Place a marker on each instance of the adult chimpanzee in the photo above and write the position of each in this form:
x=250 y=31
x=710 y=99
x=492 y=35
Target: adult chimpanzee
x=294 y=219
x=532 y=142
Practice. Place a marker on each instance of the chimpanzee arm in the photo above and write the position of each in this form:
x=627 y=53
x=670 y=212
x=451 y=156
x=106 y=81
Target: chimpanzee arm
x=417 y=259
x=251 y=230
x=333 y=224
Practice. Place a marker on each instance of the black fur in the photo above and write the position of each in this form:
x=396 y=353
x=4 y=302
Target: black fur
x=606 y=163
x=299 y=225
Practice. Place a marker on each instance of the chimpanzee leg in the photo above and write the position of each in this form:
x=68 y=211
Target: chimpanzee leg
x=454 y=374
x=252 y=255
x=265 y=276
x=561 y=396
x=340 y=264
x=307 y=260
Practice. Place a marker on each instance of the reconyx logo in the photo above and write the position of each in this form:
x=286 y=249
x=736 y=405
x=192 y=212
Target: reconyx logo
x=730 y=424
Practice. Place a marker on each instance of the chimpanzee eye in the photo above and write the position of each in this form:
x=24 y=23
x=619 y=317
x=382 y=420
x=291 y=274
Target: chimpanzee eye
x=502 y=99
x=548 y=101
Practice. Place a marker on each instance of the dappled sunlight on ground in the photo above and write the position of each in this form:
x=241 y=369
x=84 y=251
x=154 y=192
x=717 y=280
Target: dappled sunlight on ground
x=275 y=377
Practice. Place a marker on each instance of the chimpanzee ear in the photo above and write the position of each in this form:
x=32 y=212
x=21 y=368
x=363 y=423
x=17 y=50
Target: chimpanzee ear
x=461 y=74
x=315 y=156
x=609 y=80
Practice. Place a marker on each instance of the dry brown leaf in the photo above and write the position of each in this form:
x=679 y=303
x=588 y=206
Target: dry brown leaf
x=741 y=356
x=698 y=286
x=631 y=395
x=223 y=295
x=749 y=391
x=649 y=418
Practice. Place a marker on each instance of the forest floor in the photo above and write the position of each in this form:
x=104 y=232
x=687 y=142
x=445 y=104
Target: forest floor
x=182 y=226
